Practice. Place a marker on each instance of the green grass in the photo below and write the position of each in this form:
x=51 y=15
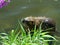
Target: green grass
x=20 y=38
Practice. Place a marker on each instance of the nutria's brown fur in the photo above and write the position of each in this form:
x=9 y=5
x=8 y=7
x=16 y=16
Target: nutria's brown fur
x=30 y=22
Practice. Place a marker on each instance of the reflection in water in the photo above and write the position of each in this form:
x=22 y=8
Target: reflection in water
x=24 y=7
x=29 y=1
x=18 y=11
x=55 y=0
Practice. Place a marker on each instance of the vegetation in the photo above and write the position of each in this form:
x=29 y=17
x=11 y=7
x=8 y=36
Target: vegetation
x=20 y=38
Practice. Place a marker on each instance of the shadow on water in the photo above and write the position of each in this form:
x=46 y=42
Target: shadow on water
x=18 y=9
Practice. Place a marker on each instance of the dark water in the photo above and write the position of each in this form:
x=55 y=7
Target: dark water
x=18 y=9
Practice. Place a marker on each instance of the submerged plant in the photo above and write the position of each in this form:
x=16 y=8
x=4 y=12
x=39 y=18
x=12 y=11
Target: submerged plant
x=4 y=3
x=20 y=38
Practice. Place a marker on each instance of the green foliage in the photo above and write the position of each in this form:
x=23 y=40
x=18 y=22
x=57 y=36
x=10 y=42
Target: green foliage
x=20 y=38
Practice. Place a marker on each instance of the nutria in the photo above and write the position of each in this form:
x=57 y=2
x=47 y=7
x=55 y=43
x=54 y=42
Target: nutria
x=30 y=22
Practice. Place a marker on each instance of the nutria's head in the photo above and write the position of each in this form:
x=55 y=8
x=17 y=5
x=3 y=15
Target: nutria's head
x=30 y=22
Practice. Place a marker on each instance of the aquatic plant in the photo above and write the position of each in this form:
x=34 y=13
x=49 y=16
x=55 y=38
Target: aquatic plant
x=4 y=3
x=20 y=38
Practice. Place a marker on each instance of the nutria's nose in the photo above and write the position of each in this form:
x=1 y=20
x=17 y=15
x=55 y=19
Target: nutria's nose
x=24 y=21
